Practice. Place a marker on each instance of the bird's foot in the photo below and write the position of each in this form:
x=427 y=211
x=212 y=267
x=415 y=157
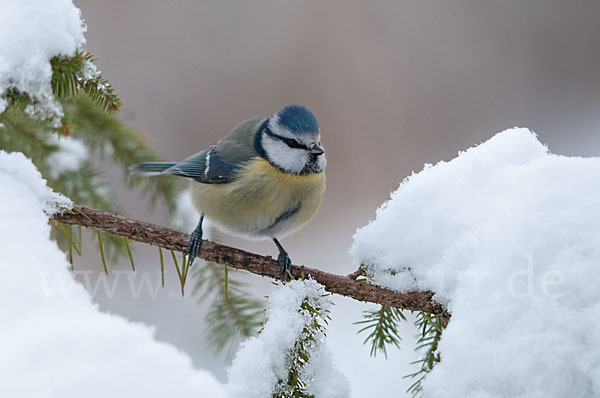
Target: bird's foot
x=285 y=266
x=195 y=244
x=193 y=247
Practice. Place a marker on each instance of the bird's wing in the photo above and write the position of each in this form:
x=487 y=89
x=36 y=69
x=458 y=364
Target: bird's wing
x=219 y=163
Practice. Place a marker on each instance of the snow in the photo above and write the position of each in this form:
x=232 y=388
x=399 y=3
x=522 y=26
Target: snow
x=508 y=235
x=54 y=341
x=263 y=360
x=54 y=334
x=31 y=33
x=70 y=156
x=15 y=167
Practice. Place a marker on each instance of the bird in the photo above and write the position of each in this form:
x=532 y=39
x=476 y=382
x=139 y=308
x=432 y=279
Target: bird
x=263 y=180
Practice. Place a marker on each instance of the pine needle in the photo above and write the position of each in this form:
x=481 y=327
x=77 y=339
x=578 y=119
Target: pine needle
x=228 y=320
x=102 y=252
x=226 y=286
x=82 y=213
x=162 y=267
x=180 y=273
x=129 y=253
x=80 y=242
x=71 y=246
x=185 y=267
x=383 y=327
x=68 y=236
x=431 y=327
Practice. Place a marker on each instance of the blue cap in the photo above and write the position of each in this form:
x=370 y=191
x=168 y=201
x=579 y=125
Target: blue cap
x=298 y=119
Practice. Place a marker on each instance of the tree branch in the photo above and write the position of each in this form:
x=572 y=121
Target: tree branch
x=266 y=266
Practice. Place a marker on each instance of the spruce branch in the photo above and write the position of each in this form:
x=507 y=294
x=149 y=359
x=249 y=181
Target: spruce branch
x=431 y=327
x=296 y=384
x=76 y=73
x=357 y=274
x=114 y=140
x=234 y=314
x=71 y=75
x=382 y=325
x=257 y=264
x=87 y=101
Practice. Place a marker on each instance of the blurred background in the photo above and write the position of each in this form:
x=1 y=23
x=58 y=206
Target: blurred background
x=394 y=85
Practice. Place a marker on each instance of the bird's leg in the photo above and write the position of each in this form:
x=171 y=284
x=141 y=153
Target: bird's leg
x=195 y=242
x=285 y=264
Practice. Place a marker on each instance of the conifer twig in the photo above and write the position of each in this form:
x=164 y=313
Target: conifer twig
x=357 y=274
x=261 y=265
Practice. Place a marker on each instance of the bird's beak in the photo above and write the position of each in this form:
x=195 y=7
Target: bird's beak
x=316 y=149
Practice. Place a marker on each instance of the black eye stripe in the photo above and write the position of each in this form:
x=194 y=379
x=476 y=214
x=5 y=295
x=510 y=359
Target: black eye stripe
x=292 y=143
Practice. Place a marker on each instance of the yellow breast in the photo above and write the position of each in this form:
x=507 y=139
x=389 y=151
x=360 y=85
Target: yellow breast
x=255 y=204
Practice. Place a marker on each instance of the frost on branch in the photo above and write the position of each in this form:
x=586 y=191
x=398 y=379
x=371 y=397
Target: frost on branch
x=289 y=357
x=508 y=236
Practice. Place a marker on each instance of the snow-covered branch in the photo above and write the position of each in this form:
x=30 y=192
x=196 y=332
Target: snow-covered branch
x=261 y=265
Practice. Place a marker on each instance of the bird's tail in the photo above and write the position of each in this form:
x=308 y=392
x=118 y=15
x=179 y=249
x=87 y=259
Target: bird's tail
x=150 y=168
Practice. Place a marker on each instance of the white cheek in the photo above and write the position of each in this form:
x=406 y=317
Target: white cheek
x=289 y=159
x=322 y=162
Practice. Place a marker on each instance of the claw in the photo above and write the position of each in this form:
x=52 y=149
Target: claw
x=285 y=264
x=195 y=243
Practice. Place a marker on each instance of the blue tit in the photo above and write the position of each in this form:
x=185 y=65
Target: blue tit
x=264 y=180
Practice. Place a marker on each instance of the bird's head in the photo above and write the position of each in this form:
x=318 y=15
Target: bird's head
x=290 y=140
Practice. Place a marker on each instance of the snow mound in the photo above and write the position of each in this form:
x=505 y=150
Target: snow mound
x=32 y=32
x=263 y=360
x=17 y=167
x=508 y=236
x=54 y=341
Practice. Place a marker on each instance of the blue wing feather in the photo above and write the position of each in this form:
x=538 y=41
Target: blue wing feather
x=216 y=165
x=207 y=167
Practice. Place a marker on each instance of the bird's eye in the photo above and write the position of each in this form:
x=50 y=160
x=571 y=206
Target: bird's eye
x=293 y=143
